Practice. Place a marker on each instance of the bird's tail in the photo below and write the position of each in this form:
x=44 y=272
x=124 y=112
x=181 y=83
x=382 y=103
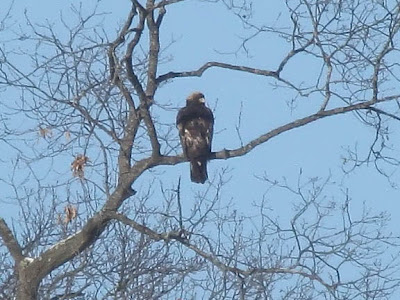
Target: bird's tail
x=198 y=171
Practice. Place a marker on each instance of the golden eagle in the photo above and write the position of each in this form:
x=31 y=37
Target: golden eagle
x=195 y=122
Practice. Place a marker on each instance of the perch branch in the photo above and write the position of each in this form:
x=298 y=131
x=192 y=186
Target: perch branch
x=226 y=153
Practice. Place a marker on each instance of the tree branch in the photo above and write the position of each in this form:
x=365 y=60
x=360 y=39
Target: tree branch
x=225 y=154
x=379 y=111
x=134 y=118
x=154 y=48
x=70 y=247
x=129 y=53
x=180 y=236
x=164 y=3
x=142 y=94
x=115 y=67
x=10 y=242
x=199 y=72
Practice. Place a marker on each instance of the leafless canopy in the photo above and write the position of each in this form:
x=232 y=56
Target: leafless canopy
x=83 y=127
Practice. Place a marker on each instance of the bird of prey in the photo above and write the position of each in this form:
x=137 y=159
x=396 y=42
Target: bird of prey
x=195 y=123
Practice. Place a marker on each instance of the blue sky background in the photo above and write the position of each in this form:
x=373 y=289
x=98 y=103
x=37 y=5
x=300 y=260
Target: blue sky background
x=202 y=31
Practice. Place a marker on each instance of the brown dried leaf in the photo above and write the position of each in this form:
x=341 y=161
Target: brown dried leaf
x=70 y=213
x=45 y=133
x=78 y=165
x=67 y=135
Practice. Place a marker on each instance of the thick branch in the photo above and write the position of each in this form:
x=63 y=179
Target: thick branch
x=225 y=154
x=199 y=72
x=125 y=152
x=124 y=158
x=115 y=67
x=151 y=129
x=129 y=53
x=151 y=86
x=10 y=241
x=143 y=96
x=154 y=48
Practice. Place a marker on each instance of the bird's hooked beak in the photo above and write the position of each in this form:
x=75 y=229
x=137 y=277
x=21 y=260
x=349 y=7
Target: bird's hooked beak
x=202 y=100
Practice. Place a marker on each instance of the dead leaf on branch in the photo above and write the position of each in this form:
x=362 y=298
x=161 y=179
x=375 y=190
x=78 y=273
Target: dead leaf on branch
x=67 y=135
x=70 y=213
x=78 y=165
x=45 y=133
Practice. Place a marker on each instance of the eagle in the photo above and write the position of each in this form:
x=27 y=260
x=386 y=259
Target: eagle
x=195 y=123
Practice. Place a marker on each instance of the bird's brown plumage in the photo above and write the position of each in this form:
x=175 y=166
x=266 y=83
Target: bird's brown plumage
x=195 y=122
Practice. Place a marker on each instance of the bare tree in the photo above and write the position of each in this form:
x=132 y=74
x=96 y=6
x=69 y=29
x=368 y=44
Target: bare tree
x=88 y=127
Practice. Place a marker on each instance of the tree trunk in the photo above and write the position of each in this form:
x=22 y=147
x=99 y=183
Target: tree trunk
x=28 y=283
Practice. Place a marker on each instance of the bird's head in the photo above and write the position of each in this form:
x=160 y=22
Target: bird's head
x=195 y=98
